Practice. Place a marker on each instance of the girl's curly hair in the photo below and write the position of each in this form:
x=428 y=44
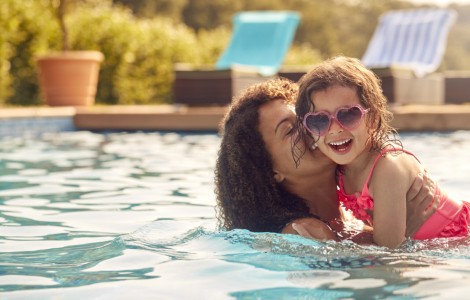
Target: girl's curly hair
x=247 y=195
x=349 y=72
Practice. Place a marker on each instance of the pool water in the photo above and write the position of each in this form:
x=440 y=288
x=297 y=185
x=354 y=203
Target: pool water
x=131 y=215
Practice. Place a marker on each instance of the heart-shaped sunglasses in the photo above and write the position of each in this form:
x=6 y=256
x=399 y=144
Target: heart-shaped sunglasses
x=348 y=117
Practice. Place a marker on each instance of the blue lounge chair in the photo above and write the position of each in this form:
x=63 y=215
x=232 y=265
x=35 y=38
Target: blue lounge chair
x=413 y=39
x=260 y=40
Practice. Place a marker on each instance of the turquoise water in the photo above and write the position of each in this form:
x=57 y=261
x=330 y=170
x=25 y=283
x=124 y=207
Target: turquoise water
x=122 y=216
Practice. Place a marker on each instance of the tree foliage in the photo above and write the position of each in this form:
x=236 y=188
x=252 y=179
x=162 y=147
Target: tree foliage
x=330 y=27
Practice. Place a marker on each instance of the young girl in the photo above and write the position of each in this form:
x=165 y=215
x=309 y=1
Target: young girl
x=342 y=107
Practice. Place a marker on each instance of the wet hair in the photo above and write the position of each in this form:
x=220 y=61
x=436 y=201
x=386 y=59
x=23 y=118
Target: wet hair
x=247 y=195
x=349 y=72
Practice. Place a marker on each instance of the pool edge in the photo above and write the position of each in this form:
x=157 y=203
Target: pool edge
x=447 y=117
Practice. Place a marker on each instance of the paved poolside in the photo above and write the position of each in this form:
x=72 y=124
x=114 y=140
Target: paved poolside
x=183 y=118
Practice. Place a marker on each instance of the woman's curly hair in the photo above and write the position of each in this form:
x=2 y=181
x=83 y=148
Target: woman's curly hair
x=248 y=196
x=349 y=72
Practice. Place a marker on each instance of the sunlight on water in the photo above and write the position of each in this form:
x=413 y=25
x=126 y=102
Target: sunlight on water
x=120 y=215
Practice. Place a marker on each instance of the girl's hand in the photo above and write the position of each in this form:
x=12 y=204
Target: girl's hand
x=310 y=228
x=420 y=203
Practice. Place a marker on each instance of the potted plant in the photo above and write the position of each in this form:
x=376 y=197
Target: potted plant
x=69 y=78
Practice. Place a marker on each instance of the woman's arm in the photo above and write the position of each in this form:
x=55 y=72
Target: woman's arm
x=311 y=228
x=421 y=203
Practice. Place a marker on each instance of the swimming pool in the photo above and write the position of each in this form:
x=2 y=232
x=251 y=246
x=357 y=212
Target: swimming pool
x=122 y=215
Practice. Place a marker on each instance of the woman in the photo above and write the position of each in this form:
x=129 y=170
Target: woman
x=261 y=188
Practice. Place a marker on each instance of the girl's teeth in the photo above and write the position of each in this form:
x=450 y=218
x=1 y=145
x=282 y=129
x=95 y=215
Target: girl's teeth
x=338 y=143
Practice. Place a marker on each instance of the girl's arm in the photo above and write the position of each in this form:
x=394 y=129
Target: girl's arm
x=391 y=180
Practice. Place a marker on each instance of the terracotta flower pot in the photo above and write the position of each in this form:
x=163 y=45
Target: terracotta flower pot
x=70 y=78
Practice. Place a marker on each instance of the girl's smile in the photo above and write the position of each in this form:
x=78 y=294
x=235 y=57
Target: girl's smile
x=341 y=146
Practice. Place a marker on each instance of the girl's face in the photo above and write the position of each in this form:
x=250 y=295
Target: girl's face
x=339 y=144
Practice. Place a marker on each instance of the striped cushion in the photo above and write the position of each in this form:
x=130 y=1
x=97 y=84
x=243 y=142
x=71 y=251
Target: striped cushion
x=414 y=39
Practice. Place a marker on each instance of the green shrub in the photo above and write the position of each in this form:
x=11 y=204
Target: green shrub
x=147 y=74
x=139 y=53
x=110 y=31
x=302 y=55
x=210 y=45
x=25 y=29
x=9 y=26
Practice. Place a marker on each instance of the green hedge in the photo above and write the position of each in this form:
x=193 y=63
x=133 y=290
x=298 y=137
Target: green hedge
x=139 y=53
x=25 y=32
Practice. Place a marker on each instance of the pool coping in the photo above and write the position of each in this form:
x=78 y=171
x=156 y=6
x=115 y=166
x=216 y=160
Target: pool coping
x=447 y=117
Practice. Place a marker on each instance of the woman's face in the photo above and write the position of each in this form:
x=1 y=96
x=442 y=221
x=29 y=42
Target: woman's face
x=277 y=127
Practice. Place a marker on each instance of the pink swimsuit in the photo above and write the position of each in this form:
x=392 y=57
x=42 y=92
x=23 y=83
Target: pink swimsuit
x=451 y=218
